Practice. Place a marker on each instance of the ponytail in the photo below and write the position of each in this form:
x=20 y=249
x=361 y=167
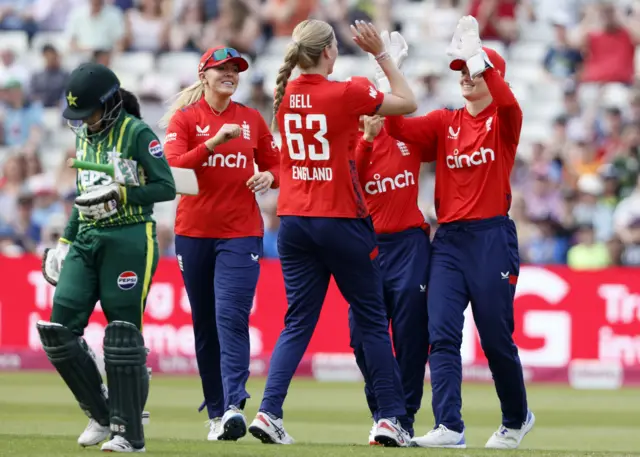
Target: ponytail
x=290 y=61
x=130 y=103
x=186 y=97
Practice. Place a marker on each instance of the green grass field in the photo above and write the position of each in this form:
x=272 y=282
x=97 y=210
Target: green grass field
x=38 y=417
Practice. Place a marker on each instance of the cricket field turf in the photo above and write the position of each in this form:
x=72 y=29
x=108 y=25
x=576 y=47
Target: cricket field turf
x=39 y=417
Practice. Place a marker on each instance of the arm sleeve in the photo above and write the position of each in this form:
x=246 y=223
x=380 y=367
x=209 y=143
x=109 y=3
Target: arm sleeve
x=421 y=131
x=361 y=97
x=71 y=230
x=509 y=111
x=426 y=153
x=268 y=154
x=177 y=142
x=159 y=185
x=363 y=154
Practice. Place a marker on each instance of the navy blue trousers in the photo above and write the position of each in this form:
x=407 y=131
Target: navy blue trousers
x=220 y=276
x=404 y=263
x=474 y=262
x=311 y=251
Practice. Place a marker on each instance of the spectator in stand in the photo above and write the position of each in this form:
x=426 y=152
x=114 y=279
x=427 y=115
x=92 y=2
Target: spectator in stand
x=431 y=99
x=102 y=56
x=187 y=29
x=13 y=177
x=615 y=249
x=441 y=18
x=259 y=98
x=587 y=253
x=562 y=61
x=608 y=41
x=581 y=158
x=47 y=86
x=543 y=198
x=26 y=233
x=52 y=15
x=23 y=124
x=284 y=15
x=626 y=213
x=609 y=129
x=590 y=210
x=237 y=25
x=12 y=69
x=16 y=15
x=95 y=25
x=631 y=254
x=548 y=245
x=496 y=18
x=146 y=27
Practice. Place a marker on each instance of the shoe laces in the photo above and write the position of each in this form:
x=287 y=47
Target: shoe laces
x=212 y=423
x=441 y=430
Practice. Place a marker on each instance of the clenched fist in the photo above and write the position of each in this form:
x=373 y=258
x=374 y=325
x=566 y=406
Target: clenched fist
x=227 y=132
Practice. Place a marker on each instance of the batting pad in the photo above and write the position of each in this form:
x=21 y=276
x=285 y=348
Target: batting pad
x=125 y=358
x=75 y=362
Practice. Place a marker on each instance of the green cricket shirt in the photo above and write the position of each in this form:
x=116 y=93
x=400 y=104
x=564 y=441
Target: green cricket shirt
x=129 y=138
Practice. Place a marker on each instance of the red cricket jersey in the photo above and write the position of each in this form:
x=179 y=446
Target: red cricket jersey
x=389 y=172
x=474 y=155
x=318 y=120
x=224 y=206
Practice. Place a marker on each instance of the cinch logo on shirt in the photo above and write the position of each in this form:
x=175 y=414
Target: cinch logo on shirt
x=379 y=186
x=238 y=160
x=457 y=160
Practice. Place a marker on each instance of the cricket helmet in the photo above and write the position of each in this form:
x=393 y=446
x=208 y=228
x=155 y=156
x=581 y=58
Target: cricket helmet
x=92 y=87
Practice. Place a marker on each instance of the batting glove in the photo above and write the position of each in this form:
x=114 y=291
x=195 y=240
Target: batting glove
x=100 y=202
x=467 y=46
x=52 y=261
x=398 y=49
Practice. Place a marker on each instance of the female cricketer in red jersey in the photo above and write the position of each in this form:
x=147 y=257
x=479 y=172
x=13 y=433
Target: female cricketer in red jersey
x=219 y=231
x=324 y=227
x=389 y=172
x=475 y=249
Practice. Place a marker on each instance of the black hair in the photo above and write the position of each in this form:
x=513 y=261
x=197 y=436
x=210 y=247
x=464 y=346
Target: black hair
x=130 y=103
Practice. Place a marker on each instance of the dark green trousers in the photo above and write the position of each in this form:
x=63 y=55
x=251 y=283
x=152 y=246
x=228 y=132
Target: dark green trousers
x=114 y=265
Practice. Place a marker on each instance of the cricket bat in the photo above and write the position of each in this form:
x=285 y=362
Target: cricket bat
x=125 y=172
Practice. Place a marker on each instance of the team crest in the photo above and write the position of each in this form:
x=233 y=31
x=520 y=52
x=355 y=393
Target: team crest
x=127 y=280
x=155 y=149
x=71 y=100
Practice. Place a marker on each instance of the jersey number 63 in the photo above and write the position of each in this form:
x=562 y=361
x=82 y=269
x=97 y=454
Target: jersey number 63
x=312 y=123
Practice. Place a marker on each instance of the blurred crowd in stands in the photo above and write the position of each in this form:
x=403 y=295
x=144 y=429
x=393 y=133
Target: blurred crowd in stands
x=576 y=183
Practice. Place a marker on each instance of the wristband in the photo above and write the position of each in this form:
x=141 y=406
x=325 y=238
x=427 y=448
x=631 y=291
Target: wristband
x=384 y=55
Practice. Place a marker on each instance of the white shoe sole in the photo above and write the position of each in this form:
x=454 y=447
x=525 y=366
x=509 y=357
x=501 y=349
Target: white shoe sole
x=95 y=441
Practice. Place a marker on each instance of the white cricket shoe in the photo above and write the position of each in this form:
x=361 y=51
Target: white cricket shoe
x=441 y=437
x=372 y=435
x=215 y=428
x=234 y=425
x=510 y=438
x=120 y=444
x=390 y=433
x=93 y=434
x=269 y=430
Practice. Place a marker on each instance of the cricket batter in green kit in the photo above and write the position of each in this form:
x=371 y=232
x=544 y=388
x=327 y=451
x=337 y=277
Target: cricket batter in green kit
x=110 y=254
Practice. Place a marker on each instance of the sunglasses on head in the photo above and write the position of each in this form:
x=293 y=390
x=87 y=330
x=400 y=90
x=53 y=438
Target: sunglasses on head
x=221 y=54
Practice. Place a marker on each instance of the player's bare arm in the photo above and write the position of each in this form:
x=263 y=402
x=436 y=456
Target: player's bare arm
x=401 y=100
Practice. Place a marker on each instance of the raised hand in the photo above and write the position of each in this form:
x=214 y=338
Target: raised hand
x=372 y=127
x=367 y=38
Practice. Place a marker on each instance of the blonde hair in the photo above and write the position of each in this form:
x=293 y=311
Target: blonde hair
x=310 y=37
x=186 y=97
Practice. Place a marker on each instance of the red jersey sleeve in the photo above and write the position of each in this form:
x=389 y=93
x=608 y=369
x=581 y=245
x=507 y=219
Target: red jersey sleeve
x=176 y=146
x=420 y=131
x=363 y=154
x=509 y=111
x=361 y=97
x=267 y=154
